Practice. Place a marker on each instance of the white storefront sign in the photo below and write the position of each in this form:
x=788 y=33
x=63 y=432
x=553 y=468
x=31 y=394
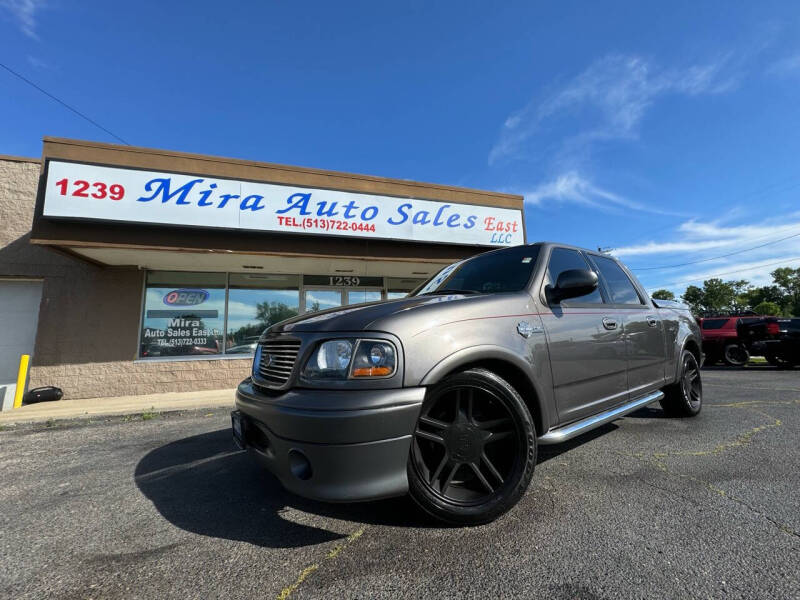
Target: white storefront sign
x=82 y=191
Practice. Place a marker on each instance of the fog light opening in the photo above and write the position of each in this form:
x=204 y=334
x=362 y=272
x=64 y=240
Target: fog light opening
x=299 y=465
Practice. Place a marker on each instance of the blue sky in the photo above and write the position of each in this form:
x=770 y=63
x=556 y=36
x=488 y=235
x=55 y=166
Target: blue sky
x=670 y=132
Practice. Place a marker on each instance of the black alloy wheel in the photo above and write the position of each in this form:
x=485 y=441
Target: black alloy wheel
x=473 y=450
x=684 y=398
x=691 y=383
x=736 y=355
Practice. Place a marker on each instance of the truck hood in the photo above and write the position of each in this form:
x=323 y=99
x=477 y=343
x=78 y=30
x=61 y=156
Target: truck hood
x=361 y=317
x=669 y=304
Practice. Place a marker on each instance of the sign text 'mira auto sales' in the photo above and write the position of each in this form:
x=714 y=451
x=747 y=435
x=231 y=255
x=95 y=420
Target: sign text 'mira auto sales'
x=82 y=191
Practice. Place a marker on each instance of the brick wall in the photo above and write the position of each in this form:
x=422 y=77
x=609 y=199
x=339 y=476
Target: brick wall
x=128 y=378
x=87 y=336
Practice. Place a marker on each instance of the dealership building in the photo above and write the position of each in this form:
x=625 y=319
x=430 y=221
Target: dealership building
x=128 y=271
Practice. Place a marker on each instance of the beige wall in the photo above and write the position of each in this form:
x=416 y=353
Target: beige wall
x=128 y=378
x=89 y=317
x=87 y=337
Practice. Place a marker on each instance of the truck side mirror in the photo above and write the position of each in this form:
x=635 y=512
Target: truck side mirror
x=573 y=283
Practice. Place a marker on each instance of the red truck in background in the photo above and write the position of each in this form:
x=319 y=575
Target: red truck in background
x=721 y=341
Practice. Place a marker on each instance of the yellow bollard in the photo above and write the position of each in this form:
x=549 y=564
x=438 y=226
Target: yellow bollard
x=22 y=375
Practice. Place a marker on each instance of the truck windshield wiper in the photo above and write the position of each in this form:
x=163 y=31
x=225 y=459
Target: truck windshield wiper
x=450 y=292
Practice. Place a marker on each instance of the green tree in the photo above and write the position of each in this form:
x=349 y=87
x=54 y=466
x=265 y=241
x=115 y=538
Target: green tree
x=768 y=309
x=663 y=295
x=693 y=296
x=765 y=293
x=245 y=334
x=788 y=280
x=717 y=296
x=269 y=313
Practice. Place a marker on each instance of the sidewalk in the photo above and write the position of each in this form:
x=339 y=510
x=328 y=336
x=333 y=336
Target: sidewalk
x=121 y=405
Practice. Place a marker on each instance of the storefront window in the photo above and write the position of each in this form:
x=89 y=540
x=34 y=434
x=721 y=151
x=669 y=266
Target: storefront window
x=255 y=302
x=399 y=287
x=184 y=314
x=212 y=314
x=359 y=296
x=318 y=299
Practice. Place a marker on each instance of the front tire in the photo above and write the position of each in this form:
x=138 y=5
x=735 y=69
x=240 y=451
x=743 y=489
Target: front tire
x=474 y=449
x=736 y=355
x=684 y=398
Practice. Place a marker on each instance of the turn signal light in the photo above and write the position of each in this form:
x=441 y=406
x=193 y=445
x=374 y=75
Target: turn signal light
x=372 y=372
x=773 y=329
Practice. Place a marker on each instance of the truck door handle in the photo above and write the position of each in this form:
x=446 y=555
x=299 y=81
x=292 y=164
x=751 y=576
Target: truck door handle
x=652 y=321
x=609 y=323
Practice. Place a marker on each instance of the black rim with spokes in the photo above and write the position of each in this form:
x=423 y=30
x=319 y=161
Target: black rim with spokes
x=736 y=355
x=466 y=445
x=692 y=386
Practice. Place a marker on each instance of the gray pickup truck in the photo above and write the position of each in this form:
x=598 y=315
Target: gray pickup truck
x=445 y=394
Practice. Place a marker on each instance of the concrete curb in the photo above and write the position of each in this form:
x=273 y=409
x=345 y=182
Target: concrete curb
x=123 y=405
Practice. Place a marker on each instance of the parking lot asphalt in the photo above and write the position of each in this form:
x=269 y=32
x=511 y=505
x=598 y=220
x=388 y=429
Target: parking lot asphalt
x=649 y=506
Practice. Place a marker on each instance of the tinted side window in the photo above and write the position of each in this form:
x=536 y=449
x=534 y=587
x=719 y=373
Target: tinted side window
x=619 y=284
x=714 y=323
x=564 y=259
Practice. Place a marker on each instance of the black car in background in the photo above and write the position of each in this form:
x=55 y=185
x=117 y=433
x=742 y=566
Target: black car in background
x=776 y=339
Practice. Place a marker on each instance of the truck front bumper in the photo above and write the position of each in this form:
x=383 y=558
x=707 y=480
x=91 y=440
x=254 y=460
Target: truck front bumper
x=328 y=445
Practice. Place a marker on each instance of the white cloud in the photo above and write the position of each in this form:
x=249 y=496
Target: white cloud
x=698 y=250
x=612 y=94
x=571 y=187
x=37 y=63
x=785 y=66
x=755 y=272
x=697 y=237
x=24 y=13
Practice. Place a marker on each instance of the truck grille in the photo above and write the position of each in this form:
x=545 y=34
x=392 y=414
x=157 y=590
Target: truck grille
x=277 y=360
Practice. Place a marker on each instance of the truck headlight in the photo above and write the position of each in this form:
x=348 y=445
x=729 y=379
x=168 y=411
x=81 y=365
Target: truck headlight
x=356 y=359
x=330 y=361
x=374 y=359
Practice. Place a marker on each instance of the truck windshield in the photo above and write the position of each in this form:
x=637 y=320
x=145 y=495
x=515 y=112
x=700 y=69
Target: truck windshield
x=507 y=270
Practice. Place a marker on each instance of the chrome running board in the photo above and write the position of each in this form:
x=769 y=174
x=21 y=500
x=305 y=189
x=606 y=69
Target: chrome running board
x=562 y=434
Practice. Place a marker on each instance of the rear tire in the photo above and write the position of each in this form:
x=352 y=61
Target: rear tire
x=735 y=355
x=474 y=449
x=779 y=361
x=684 y=398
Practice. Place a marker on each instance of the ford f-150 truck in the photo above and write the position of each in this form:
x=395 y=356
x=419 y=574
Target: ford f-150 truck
x=446 y=394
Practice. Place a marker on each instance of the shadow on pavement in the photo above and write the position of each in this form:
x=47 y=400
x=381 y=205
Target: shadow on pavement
x=653 y=411
x=750 y=367
x=203 y=484
x=548 y=452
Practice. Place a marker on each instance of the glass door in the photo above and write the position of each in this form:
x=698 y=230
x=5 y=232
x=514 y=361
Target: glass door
x=359 y=295
x=321 y=298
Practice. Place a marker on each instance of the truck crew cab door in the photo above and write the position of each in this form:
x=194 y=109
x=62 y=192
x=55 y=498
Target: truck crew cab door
x=644 y=331
x=586 y=345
